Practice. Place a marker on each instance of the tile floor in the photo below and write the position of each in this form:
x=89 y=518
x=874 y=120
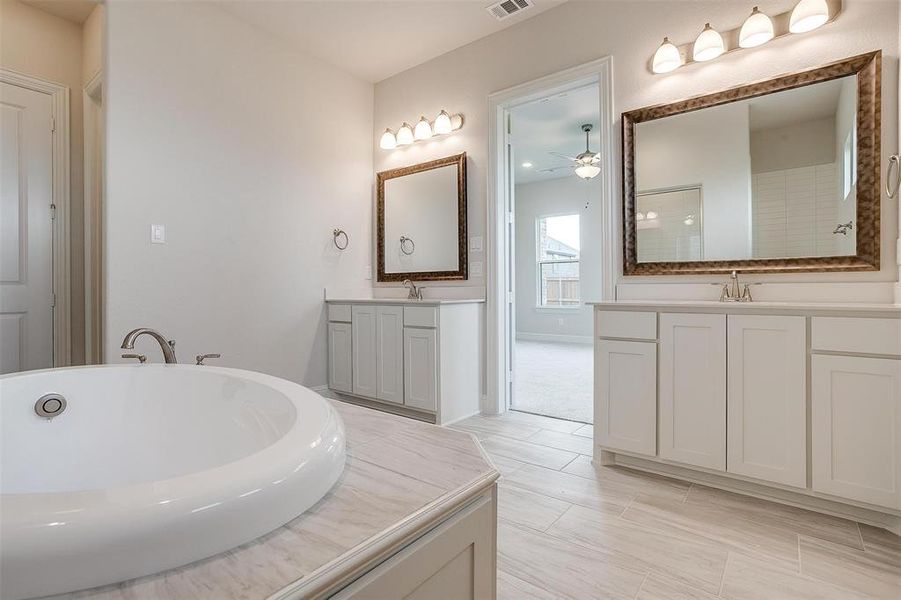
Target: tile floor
x=554 y=379
x=566 y=530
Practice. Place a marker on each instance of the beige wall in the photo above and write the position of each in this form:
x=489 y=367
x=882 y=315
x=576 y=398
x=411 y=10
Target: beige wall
x=629 y=31
x=250 y=155
x=39 y=44
x=92 y=44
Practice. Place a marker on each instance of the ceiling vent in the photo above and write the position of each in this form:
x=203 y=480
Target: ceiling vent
x=507 y=8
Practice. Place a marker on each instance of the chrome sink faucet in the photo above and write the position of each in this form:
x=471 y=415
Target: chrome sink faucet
x=167 y=346
x=734 y=292
x=415 y=292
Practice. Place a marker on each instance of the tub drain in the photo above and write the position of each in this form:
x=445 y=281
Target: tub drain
x=50 y=405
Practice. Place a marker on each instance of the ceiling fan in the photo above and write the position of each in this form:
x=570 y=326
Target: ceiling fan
x=586 y=163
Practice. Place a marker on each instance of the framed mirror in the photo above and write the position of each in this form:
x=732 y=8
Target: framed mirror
x=421 y=214
x=776 y=176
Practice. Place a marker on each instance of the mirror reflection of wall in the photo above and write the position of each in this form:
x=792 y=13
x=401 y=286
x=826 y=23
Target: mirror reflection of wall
x=422 y=208
x=778 y=174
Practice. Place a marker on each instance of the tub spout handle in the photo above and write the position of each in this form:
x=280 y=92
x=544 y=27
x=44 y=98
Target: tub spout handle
x=141 y=358
x=203 y=357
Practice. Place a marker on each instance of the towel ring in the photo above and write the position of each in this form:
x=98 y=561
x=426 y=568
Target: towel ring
x=337 y=234
x=894 y=162
x=403 y=245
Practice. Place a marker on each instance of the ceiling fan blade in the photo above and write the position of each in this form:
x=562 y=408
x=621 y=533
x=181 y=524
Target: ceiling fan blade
x=552 y=169
x=559 y=155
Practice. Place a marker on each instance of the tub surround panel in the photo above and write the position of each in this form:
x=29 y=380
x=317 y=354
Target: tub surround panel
x=386 y=500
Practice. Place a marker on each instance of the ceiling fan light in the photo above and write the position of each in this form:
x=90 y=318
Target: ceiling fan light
x=756 y=30
x=443 y=123
x=808 y=15
x=404 y=135
x=588 y=171
x=388 y=141
x=709 y=44
x=667 y=58
x=423 y=129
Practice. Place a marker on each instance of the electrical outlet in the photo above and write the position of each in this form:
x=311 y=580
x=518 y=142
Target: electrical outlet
x=475 y=269
x=560 y=322
x=367 y=272
x=157 y=234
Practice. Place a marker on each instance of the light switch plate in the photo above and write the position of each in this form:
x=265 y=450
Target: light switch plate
x=157 y=234
x=475 y=243
x=475 y=269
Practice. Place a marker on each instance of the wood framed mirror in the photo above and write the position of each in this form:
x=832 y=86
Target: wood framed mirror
x=776 y=176
x=421 y=221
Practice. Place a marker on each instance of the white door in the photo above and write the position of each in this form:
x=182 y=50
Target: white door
x=340 y=357
x=693 y=389
x=767 y=398
x=626 y=390
x=420 y=368
x=365 y=348
x=856 y=428
x=26 y=234
x=390 y=353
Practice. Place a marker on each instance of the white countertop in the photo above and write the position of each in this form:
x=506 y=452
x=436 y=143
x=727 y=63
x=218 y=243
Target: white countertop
x=423 y=302
x=845 y=307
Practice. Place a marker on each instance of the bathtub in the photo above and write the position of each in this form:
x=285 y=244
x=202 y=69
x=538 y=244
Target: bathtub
x=150 y=467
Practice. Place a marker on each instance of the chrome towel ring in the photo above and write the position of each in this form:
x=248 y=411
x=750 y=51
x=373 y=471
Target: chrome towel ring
x=403 y=245
x=894 y=165
x=336 y=235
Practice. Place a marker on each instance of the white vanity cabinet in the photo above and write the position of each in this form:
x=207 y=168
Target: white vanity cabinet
x=791 y=401
x=417 y=358
x=693 y=389
x=856 y=409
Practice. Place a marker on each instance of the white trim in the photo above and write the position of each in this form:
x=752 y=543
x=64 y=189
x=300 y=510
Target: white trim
x=554 y=337
x=93 y=219
x=601 y=72
x=59 y=99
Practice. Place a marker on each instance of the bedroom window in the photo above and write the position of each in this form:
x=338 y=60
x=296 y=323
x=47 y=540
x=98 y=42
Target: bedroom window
x=558 y=261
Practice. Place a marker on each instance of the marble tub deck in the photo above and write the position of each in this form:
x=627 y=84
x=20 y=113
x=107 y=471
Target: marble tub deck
x=397 y=469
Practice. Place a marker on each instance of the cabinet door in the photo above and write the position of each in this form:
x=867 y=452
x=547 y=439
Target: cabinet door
x=364 y=350
x=767 y=398
x=420 y=369
x=625 y=384
x=693 y=389
x=390 y=353
x=856 y=428
x=340 y=357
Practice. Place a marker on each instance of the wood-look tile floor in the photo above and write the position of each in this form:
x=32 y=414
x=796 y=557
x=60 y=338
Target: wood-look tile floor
x=567 y=530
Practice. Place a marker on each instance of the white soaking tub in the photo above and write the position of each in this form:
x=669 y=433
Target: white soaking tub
x=150 y=467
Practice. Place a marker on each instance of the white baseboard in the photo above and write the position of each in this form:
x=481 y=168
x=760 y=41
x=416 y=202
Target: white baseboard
x=553 y=337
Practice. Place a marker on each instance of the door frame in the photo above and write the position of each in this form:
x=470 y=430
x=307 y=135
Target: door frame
x=59 y=99
x=598 y=72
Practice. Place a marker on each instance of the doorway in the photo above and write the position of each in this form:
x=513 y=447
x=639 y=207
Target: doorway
x=34 y=258
x=553 y=248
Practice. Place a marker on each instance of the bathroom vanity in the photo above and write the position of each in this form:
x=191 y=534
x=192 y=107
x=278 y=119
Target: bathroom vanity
x=418 y=358
x=414 y=515
x=795 y=402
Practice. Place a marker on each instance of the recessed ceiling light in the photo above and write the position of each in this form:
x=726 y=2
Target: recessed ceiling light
x=527 y=165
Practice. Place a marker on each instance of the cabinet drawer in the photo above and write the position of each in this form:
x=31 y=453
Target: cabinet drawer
x=853 y=334
x=625 y=324
x=339 y=312
x=420 y=316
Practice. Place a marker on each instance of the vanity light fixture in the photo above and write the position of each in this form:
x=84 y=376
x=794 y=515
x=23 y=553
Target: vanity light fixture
x=709 y=44
x=527 y=165
x=423 y=129
x=443 y=124
x=757 y=30
x=388 y=141
x=689 y=220
x=808 y=15
x=405 y=135
x=667 y=57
